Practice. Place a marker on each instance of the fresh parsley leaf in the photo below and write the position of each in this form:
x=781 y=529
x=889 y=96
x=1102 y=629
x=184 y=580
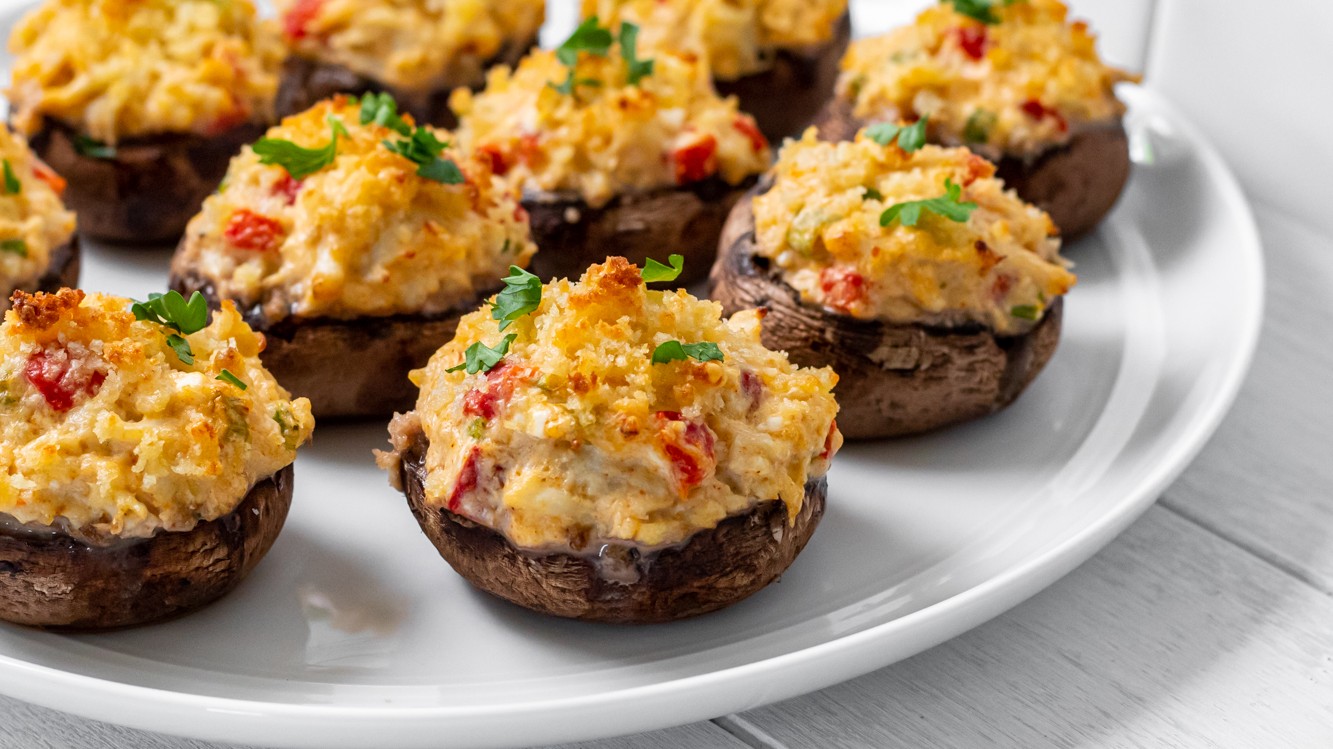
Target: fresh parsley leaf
x=1025 y=312
x=949 y=205
x=92 y=148
x=910 y=137
x=980 y=10
x=174 y=311
x=655 y=272
x=480 y=357
x=978 y=127
x=300 y=162
x=669 y=351
x=522 y=294
x=382 y=110
x=14 y=247
x=12 y=184
x=589 y=37
x=422 y=148
x=231 y=379
x=181 y=347
x=629 y=43
x=477 y=428
x=567 y=88
x=872 y=194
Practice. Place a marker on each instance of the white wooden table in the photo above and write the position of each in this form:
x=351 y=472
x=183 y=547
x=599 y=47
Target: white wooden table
x=1210 y=621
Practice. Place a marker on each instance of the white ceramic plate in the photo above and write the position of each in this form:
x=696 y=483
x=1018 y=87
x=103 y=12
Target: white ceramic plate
x=354 y=633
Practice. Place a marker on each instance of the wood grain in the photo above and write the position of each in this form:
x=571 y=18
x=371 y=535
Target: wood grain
x=1169 y=637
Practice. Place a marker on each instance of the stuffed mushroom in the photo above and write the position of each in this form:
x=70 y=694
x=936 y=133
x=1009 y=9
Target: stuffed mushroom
x=779 y=57
x=38 y=248
x=933 y=291
x=353 y=239
x=614 y=151
x=139 y=104
x=146 y=458
x=418 y=51
x=602 y=451
x=1016 y=82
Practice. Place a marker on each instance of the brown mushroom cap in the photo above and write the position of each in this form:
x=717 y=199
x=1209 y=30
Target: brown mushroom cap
x=49 y=578
x=900 y=379
x=683 y=220
x=150 y=189
x=620 y=582
x=347 y=368
x=1077 y=183
x=306 y=81
x=787 y=97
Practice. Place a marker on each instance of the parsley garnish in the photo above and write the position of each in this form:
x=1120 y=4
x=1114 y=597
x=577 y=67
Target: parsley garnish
x=589 y=37
x=872 y=194
x=522 y=294
x=92 y=148
x=1025 y=312
x=978 y=127
x=382 y=110
x=14 y=247
x=980 y=10
x=629 y=42
x=655 y=272
x=300 y=162
x=172 y=311
x=949 y=205
x=480 y=357
x=669 y=351
x=12 y=184
x=231 y=379
x=422 y=148
x=910 y=137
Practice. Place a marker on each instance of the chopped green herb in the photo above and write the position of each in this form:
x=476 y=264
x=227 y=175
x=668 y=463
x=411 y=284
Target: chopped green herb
x=980 y=10
x=910 y=137
x=382 y=110
x=589 y=37
x=181 y=347
x=92 y=148
x=1025 y=312
x=300 y=162
x=629 y=42
x=949 y=205
x=979 y=126
x=655 y=272
x=14 y=247
x=522 y=294
x=669 y=351
x=480 y=357
x=12 y=184
x=422 y=148
x=567 y=88
x=231 y=379
x=288 y=429
x=172 y=311
x=238 y=424
x=872 y=194
x=477 y=429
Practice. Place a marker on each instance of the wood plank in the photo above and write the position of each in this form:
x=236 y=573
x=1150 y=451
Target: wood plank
x=1170 y=637
x=24 y=726
x=1263 y=481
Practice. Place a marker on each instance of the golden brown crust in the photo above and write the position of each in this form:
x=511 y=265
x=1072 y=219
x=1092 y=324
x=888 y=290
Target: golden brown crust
x=899 y=379
x=150 y=189
x=1077 y=183
x=787 y=97
x=616 y=582
x=681 y=220
x=49 y=578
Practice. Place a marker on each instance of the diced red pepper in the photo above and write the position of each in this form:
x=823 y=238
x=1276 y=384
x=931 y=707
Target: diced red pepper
x=753 y=388
x=828 y=441
x=496 y=155
x=60 y=377
x=468 y=479
x=750 y=130
x=972 y=40
x=842 y=287
x=287 y=187
x=43 y=172
x=297 y=21
x=696 y=161
x=690 y=449
x=1038 y=111
x=529 y=148
x=486 y=401
x=1000 y=287
x=247 y=230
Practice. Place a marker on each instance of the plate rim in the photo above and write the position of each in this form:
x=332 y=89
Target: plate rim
x=678 y=700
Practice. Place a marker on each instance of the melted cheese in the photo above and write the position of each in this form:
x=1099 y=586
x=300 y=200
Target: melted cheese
x=120 y=68
x=33 y=220
x=608 y=137
x=414 y=45
x=1038 y=77
x=144 y=442
x=363 y=236
x=736 y=37
x=587 y=439
x=820 y=224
